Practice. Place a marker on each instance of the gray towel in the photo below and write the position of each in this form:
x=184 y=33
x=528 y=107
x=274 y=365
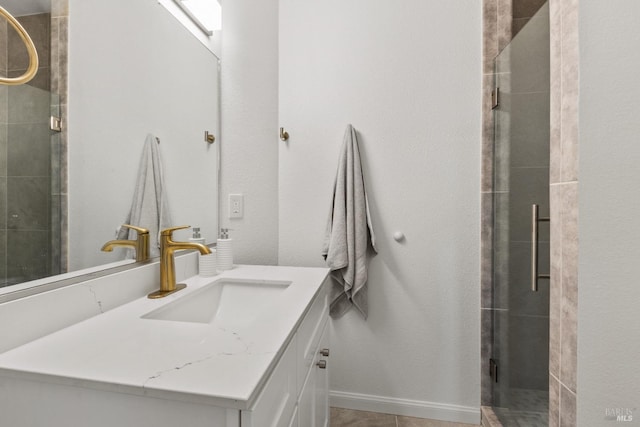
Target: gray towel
x=150 y=208
x=349 y=233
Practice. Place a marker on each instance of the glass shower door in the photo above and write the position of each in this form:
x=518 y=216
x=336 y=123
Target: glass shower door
x=521 y=179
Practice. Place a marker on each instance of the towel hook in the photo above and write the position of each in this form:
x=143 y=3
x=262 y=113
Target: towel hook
x=284 y=135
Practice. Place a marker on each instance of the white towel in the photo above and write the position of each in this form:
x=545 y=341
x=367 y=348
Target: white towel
x=150 y=208
x=349 y=233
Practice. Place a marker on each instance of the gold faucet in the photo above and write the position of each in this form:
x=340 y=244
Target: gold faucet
x=141 y=244
x=167 y=264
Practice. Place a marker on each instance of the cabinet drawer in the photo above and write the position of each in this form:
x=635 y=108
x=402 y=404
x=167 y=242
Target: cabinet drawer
x=276 y=404
x=308 y=335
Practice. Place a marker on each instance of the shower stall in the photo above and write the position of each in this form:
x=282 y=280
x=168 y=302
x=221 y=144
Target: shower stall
x=31 y=222
x=520 y=355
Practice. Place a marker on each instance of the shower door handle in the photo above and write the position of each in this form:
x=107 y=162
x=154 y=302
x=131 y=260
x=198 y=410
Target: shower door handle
x=535 y=219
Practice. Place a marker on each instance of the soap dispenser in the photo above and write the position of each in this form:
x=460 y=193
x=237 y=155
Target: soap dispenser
x=197 y=237
x=224 y=249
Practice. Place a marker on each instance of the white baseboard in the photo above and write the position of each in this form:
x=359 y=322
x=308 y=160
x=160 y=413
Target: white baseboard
x=406 y=407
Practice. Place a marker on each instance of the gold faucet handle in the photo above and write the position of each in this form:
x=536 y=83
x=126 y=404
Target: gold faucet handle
x=138 y=230
x=169 y=231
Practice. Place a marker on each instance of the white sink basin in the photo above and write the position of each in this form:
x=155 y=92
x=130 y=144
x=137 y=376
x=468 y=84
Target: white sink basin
x=229 y=302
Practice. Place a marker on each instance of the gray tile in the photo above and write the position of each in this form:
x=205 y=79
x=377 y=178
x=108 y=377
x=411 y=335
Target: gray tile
x=555 y=66
x=501 y=255
x=517 y=25
x=63 y=60
x=528 y=186
x=528 y=352
x=522 y=300
x=568 y=367
x=486 y=250
x=42 y=79
x=486 y=346
x=351 y=418
x=3 y=148
x=487 y=134
x=59 y=8
x=505 y=17
x=567 y=408
x=64 y=240
x=489 y=417
x=570 y=90
x=28 y=104
x=555 y=295
x=526 y=8
x=3 y=203
x=28 y=150
x=529 y=57
x=529 y=130
x=4 y=106
x=3 y=257
x=38 y=27
x=421 y=422
x=28 y=203
x=554 y=402
x=27 y=255
x=501 y=354
x=3 y=48
x=489 y=34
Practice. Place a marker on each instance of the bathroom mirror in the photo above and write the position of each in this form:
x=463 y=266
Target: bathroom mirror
x=133 y=69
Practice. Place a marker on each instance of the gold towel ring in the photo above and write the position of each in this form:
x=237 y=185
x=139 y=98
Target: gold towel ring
x=31 y=50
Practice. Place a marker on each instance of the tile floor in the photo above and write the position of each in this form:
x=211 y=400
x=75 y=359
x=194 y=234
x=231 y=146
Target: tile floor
x=350 y=418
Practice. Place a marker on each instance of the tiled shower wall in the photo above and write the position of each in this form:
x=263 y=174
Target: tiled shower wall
x=564 y=212
x=29 y=157
x=59 y=171
x=502 y=19
x=25 y=172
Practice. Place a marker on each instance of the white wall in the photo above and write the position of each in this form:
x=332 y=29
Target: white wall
x=133 y=70
x=609 y=202
x=250 y=127
x=408 y=77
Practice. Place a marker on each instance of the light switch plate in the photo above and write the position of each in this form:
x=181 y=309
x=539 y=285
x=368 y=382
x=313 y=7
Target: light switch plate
x=236 y=205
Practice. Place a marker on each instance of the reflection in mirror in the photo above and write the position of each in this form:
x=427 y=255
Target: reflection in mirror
x=132 y=70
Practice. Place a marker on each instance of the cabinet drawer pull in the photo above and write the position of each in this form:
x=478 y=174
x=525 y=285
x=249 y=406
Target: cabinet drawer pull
x=322 y=364
x=324 y=352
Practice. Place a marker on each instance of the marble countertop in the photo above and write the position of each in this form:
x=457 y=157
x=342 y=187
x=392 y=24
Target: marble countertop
x=209 y=363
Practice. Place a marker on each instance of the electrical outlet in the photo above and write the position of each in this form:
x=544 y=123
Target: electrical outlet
x=236 y=205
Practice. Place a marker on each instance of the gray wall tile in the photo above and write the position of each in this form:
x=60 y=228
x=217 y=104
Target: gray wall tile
x=486 y=351
x=28 y=203
x=505 y=19
x=529 y=132
x=4 y=107
x=38 y=27
x=3 y=148
x=28 y=104
x=555 y=67
x=555 y=299
x=3 y=48
x=3 y=206
x=569 y=285
x=3 y=258
x=554 y=402
x=522 y=300
x=489 y=34
x=28 y=149
x=526 y=368
x=570 y=89
x=27 y=257
x=567 y=408
x=528 y=186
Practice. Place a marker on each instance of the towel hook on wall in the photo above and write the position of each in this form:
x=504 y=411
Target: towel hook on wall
x=284 y=135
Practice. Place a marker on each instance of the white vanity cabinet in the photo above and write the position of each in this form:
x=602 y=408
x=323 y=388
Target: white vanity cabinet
x=297 y=393
x=121 y=368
